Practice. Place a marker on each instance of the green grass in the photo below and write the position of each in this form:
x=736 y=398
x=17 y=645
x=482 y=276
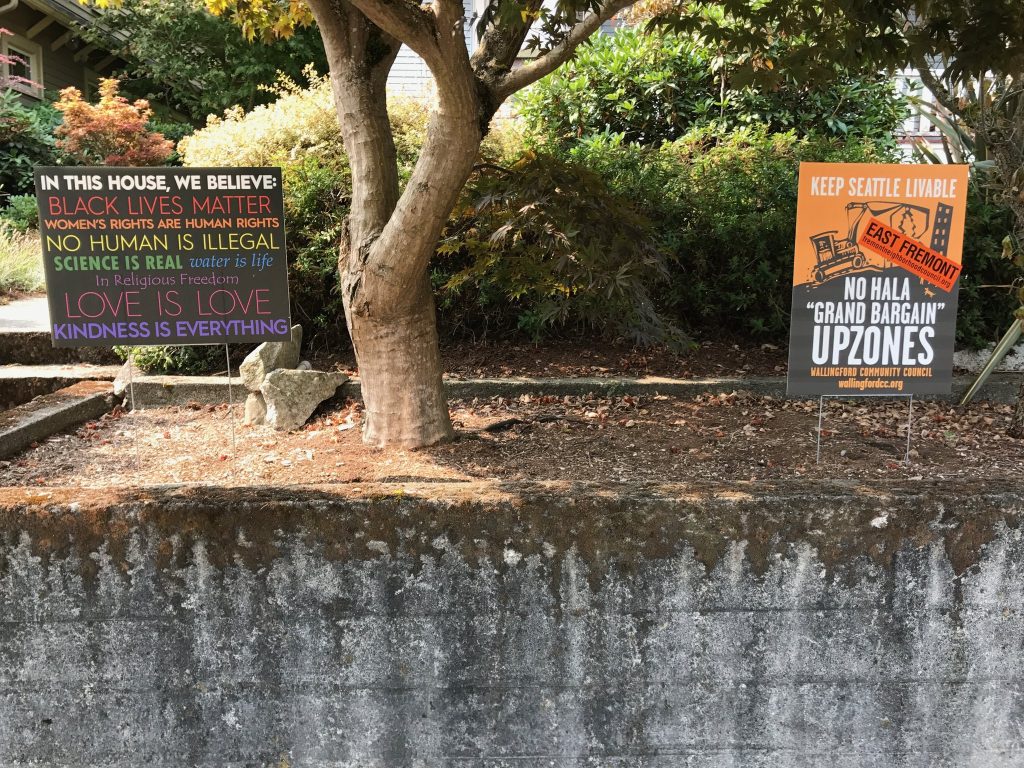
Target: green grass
x=21 y=261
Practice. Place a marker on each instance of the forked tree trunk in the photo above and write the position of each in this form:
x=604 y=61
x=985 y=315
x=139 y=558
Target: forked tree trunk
x=389 y=303
x=394 y=333
x=383 y=259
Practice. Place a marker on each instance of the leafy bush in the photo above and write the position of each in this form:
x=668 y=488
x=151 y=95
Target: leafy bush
x=21 y=213
x=172 y=130
x=987 y=301
x=505 y=143
x=21 y=261
x=26 y=140
x=112 y=132
x=650 y=88
x=855 y=106
x=546 y=245
x=168 y=360
x=301 y=121
x=655 y=87
x=317 y=194
x=724 y=209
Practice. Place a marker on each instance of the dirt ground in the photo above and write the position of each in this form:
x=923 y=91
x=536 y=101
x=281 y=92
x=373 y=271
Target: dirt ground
x=621 y=439
x=719 y=358
x=561 y=359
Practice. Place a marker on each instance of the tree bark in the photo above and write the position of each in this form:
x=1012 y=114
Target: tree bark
x=383 y=259
x=390 y=240
x=400 y=373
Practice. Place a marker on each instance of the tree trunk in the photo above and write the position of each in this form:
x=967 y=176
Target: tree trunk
x=400 y=374
x=389 y=302
x=389 y=241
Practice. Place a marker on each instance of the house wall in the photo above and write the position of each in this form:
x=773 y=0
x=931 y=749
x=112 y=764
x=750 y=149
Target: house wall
x=60 y=69
x=410 y=76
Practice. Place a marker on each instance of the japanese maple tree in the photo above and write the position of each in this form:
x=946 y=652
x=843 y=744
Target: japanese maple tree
x=111 y=132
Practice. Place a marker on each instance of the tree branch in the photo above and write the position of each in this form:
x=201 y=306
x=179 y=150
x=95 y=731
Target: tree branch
x=450 y=25
x=501 y=43
x=934 y=84
x=352 y=42
x=449 y=13
x=404 y=20
x=332 y=20
x=548 y=62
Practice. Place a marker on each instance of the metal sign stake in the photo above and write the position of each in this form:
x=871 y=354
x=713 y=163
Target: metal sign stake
x=910 y=421
x=231 y=402
x=131 y=392
x=821 y=406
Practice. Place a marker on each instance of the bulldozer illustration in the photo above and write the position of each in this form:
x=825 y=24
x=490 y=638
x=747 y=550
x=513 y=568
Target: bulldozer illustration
x=835 y=256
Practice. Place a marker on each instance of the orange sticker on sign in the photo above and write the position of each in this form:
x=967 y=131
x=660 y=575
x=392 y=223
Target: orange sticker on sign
x=911 y=254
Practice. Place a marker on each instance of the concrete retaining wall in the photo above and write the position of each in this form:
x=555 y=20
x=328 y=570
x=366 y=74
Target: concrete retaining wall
x=752 y=625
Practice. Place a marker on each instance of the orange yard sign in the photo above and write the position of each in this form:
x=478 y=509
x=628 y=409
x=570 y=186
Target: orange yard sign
x=876 y=270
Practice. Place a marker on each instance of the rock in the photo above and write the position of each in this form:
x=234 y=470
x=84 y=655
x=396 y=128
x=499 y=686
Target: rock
x=255 y=409
x=121 y=381
x=292 y=396
x=305 y=365
x=270 y=356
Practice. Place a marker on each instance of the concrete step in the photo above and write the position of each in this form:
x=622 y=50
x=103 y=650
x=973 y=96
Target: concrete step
x=51 y=413
x=21 y=383
x=25 y=337
x=36 y=348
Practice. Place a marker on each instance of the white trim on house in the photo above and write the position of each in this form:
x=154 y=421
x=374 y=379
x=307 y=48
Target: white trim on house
x=31 y=54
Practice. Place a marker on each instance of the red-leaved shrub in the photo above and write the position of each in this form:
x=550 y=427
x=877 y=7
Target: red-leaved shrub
x=111 y=132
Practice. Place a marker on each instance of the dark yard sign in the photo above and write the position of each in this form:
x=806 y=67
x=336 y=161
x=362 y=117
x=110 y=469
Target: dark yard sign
x=875 y=279
x=143 y=256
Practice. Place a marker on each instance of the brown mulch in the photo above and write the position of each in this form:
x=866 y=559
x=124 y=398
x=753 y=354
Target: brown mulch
x=565 y=359
x=600 y=439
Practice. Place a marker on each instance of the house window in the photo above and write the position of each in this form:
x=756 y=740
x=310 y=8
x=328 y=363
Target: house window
x=27 y=65
x=91 y=90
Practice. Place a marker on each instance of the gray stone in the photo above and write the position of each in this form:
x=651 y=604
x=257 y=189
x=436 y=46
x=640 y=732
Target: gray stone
x=255 y=409
x=269 y=356
x=305 y=365
x=292 y=396
x=124 y=377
